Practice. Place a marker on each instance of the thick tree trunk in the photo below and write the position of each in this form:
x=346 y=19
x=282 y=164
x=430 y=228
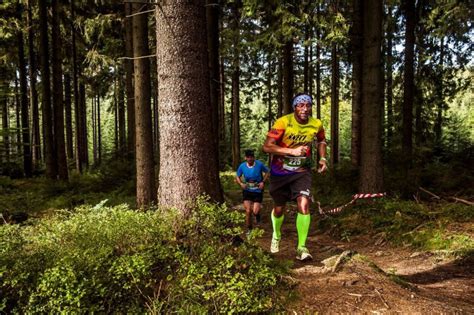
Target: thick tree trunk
x=143 y=120
x=212 y=18
x=25 y=122
x=288 y=77
x=58 y=106
x=36 y=136
x=334 y=105
x=235 y=24
x=188 y=167
x=49 y=151
x=357 y=69
x=371 y=171
x=129 y=80
x=408 y=83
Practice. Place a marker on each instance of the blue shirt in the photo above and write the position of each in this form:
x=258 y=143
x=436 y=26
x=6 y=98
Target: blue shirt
x=252 y=175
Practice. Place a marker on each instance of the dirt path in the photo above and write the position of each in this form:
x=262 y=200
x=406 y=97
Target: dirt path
x=407 y=281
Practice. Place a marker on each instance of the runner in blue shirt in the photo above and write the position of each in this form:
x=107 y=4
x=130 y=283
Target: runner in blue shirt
x=255 y=173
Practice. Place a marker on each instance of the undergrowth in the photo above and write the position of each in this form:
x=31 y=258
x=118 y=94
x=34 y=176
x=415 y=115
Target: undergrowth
x=113 y=259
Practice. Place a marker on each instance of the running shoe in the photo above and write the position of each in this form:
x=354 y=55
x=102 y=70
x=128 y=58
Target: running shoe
x=302 y=253
x=275 y=246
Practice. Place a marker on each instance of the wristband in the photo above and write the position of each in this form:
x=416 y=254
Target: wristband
x=323 y=159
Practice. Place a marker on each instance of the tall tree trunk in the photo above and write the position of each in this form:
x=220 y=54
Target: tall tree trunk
x=79 y=152
x=49 y=151
x=222 y=130
x=94 y=129
x=357 y=69
x=408 y=83
x=17 y=105
x=5 y=126
x=334 y=105
x=36 y=136
x=306 y=60
x=58 y=106
x=68 y=115
x=121 y=115
x=115 y=106
x=212 y=18
x=371 y=173
x=25 y=121
x=269 y=90
x=440 y=103
x=83 y=118
x=189 y=168
x=129 y=80
x=99 y=131
x=389 y=78
x=318 y=64
x=280 y=86
x=145 y=166
x=235 y=25
x=288 y=77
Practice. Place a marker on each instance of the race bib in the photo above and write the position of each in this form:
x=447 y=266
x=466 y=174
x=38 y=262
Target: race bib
x=293 y=163
x=252 y=185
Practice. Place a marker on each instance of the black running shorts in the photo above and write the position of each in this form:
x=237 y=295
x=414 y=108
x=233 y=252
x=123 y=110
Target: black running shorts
x=288 y=187
x=252 y=196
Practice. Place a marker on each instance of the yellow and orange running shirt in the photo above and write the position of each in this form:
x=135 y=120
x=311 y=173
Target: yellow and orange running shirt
x=288 y=133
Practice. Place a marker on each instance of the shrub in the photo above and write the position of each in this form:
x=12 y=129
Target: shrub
x=104 y=259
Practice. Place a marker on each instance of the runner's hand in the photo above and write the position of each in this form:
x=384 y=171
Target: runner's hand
x=261 y=185
x=323 y=166
x=300 y=151
x=243 y=186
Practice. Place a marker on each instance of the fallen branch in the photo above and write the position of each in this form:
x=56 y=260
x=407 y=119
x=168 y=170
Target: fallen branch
x=355 y=294
x=430 y=193
x=469 y=203
x=381 y=297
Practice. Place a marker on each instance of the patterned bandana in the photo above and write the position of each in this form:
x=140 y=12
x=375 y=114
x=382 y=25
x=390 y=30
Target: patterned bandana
x=301 y=98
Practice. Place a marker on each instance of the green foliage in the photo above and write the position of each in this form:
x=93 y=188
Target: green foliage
x=113 y=259
x=425 y=226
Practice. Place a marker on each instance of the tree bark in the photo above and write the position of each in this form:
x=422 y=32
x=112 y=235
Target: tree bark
x=5 y=126
x=318 y=64
x=438 y=127
x=129 y=91
x=280 y=86
x=235 y=25
x=371 y=171
x=49 y=151
x=357 y=69
x=389 y=78
x=99 y=132
x=121 y=115
x=36 y=136
x=288 y=77
x=68 y=116
x=58 y=105
x=25 y=121
x=408 y=84
x=143 y=123
x=188 y=168
x=334 y=105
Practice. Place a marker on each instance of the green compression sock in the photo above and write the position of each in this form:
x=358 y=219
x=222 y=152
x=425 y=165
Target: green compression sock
x=302 y=226
x=276 y=223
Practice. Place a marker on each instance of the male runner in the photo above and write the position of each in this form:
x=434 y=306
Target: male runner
x=255 y=174
x=291 y=141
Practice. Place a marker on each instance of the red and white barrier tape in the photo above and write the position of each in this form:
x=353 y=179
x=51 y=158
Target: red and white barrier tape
x=354 y=199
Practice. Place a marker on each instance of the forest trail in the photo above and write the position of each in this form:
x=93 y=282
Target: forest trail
x=382 y=279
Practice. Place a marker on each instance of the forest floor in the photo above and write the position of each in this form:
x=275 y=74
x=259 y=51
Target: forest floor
x=379 y=278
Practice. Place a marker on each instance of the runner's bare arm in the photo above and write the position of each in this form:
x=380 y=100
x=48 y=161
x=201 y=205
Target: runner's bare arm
x=270 y=146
